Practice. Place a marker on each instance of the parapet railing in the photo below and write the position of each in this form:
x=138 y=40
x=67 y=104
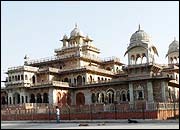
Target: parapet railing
x=54 y=83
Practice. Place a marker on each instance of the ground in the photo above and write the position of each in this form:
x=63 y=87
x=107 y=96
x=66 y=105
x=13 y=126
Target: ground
x=92 y=125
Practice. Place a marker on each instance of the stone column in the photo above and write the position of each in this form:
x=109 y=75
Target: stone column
x=150 y=92
x=164 y=85
x=131 y=94
x=52 y=96
x=87 y=97
x=10 y=96
x=42 y=98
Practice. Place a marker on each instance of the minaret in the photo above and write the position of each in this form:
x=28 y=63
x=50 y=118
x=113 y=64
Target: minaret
x=26 y=58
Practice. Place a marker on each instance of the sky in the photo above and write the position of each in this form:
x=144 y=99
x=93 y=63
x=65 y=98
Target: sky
x=35 y=27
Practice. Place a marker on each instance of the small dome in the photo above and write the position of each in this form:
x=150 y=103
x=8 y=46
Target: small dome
x=139 y=36
x=173 y=47
x=76 y=32
x=65 y=37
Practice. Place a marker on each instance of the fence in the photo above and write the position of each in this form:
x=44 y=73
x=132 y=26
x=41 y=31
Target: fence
x=91 y=112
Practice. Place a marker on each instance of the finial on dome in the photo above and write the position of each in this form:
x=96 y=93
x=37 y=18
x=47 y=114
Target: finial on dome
x=76 y=25
x=25 y=57
x=139 y=27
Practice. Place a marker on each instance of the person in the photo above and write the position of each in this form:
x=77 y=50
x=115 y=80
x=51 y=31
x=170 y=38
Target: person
x=57 y=114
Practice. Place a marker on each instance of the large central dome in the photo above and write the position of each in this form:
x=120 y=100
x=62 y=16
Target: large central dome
x=140 y=36
x=76 y=32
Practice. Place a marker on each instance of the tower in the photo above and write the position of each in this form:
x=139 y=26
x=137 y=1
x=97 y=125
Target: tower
x=173 y=52
x=140 y=50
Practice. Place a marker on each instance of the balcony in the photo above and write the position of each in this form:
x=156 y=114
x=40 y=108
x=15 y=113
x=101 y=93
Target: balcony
x=14 y=82
x=22 y=68
x=49 y=69
x=52 y=83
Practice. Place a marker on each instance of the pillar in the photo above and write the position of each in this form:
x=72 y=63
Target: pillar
x=52 y=96
x=150 y=92
x=131 y=93
x=87 y=97
x=164 y=85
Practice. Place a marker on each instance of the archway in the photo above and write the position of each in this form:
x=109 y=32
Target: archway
x=80 y=98
x=123 y=95
x=110 y=95
x=144 y=58
x=138 y=59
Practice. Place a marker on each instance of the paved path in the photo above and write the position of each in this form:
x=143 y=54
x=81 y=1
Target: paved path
x=92 y=125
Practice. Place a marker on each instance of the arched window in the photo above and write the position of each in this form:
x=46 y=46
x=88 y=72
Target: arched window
x=140 y=95
x=15 y=77
x=3 y=100
x=79 y=80
x=18 y=77
x=66 y=80
x=45 y=98
x=90 y=79
x=22 y=77
x=144 y=58
x=39 y=99
x=123 y=95
x=12 y=78
x=26 y=77
x=9 y=79
x=32 y=98
x=84 y=80
x=75 y=81
x=132 y=60
x=93 y=98
x=138 y=59
x=175 y=60
x=110 y=95
x=33 y=79
x=98 y=78
x=22 y=99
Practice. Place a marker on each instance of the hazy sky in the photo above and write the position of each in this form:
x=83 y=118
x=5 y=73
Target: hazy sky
x=35 y=27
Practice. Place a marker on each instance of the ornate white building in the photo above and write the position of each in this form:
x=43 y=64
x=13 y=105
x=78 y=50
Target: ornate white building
x=76 y=75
